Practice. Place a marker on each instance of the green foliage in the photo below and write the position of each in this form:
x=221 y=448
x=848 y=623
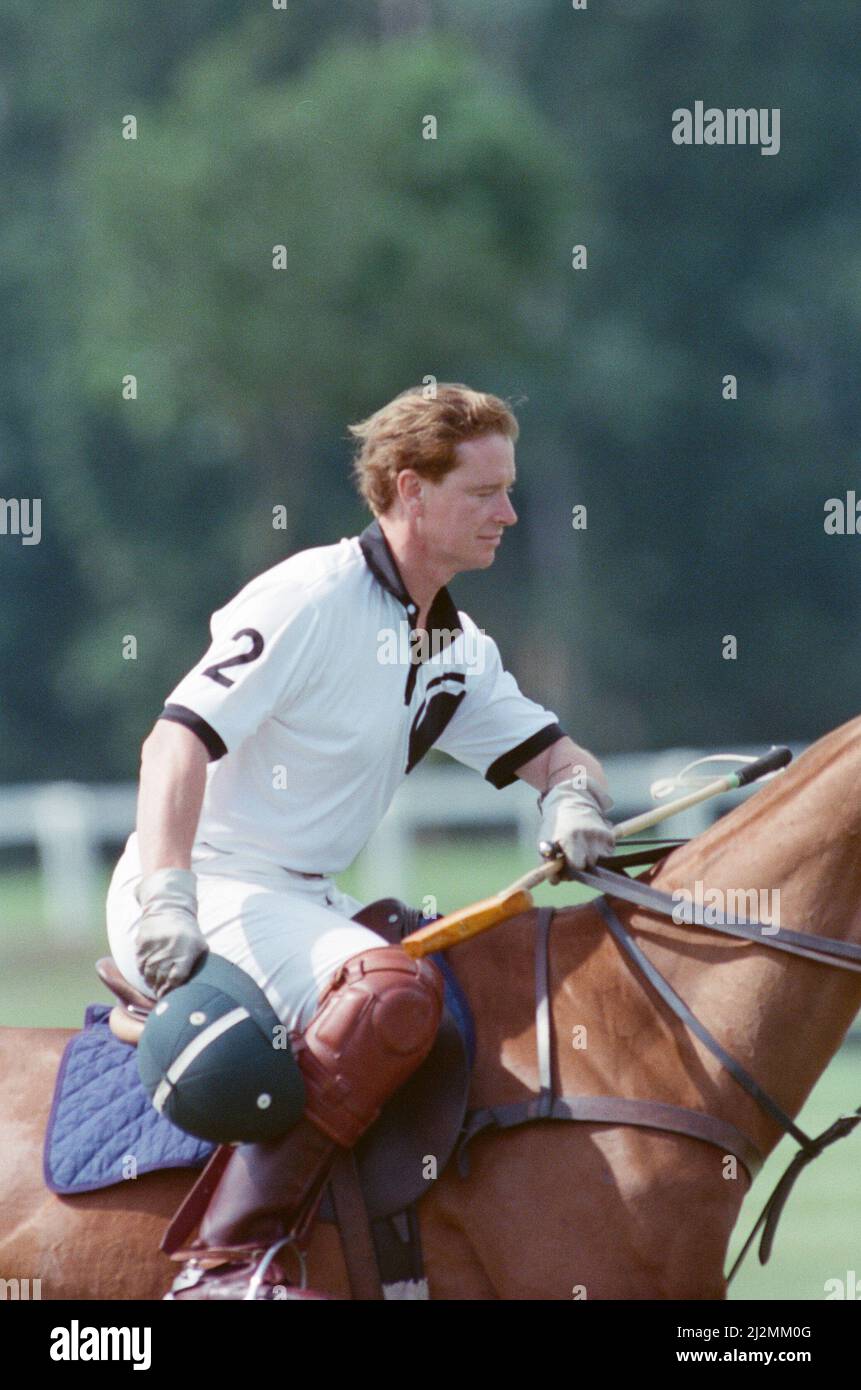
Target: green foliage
x=396 y=247
x=404 y=257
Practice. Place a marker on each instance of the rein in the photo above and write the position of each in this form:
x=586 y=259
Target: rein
x=655 y=1114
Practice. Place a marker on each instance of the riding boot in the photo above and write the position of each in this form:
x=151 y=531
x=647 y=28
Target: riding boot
x=266 y=1188
x=375 y=1024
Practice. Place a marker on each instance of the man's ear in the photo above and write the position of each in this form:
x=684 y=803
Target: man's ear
x=410 y=489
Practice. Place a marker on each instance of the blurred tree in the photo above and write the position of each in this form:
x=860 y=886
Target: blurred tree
x=406 y=257
x=706 y=515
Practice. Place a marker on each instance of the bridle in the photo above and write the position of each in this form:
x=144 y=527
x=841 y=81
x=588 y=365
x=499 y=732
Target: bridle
x=658 y=1114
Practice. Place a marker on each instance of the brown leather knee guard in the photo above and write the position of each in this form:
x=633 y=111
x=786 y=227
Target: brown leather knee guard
x=376 y=1022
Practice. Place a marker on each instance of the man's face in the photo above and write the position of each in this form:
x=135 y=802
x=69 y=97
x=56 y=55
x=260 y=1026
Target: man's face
x=466 y=513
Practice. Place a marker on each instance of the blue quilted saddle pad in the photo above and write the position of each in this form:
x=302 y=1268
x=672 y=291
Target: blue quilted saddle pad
x=103 y=1127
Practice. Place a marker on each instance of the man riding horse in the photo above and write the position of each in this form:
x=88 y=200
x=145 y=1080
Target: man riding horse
x=276 y=757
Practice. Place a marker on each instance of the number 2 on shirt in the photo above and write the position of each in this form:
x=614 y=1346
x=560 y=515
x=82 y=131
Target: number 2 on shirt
x=215 y=672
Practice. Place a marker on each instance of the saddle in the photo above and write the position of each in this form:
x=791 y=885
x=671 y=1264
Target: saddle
x=374 y=1188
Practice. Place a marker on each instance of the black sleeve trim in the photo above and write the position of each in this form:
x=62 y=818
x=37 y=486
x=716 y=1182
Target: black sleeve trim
x=502 y=772
x=213 y=742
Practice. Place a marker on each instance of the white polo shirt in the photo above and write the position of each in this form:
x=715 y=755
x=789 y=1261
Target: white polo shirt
x=313 y=710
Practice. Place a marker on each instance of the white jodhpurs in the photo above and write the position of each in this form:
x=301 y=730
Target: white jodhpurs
x=289 y=933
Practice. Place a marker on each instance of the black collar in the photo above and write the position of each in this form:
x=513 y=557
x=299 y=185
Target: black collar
x=442 y=614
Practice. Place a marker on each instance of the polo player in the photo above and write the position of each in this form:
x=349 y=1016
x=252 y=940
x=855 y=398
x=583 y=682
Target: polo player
x=277 y=755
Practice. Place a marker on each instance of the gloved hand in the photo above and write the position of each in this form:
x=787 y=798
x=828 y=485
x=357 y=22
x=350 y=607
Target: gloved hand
x=169 y=941
x=575 y=819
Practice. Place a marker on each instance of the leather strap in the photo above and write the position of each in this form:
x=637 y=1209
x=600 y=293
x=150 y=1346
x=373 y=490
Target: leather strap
x=825 y=949
x=543 y=1021
x=641 y=856
x=175 y=1238
x=614 y=1110
x=398 y=1246
x=356 y=1240
x=771 y=1212
x=666 y=992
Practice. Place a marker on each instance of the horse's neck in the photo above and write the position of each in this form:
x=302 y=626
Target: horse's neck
x=780 y=1016
x=799 y=836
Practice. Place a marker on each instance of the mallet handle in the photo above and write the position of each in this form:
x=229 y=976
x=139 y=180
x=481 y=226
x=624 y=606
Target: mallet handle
x=489 y=912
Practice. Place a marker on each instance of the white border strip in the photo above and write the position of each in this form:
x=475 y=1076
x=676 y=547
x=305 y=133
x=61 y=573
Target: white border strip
x=194 y=1049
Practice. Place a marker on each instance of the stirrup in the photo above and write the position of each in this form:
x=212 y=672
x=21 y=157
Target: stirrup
x=194 y=1272
x=257 y=1277
x=218 y=1254
x=190 y=1274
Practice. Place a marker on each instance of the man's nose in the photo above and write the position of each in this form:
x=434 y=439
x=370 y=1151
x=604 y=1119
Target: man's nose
x=506 y=515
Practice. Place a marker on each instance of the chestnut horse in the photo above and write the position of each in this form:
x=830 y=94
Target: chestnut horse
x=551 y=1210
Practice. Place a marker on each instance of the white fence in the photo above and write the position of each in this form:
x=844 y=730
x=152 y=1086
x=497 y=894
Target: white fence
x=69 y=822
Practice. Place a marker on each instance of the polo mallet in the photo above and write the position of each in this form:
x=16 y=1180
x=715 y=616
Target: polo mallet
x=489 y=912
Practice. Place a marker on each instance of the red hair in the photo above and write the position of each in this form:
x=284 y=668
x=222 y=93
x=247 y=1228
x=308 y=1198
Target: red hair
x=420 y=429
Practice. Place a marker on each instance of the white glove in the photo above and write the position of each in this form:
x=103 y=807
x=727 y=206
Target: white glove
x=575 y=819
x=169 y=941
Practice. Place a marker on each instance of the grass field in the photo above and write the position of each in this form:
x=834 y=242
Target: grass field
x=46 y=983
